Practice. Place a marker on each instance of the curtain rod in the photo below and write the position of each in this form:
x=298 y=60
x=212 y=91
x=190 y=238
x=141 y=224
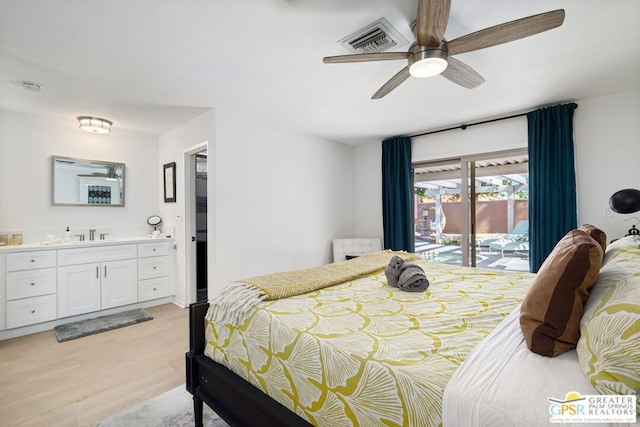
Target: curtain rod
x=464 y=126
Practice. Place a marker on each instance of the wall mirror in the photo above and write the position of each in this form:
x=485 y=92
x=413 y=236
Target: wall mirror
x=80 y=182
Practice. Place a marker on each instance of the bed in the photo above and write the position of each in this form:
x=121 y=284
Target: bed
x=361 y=352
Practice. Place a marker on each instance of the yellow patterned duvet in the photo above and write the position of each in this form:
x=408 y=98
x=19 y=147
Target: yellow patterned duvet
x=363 y=353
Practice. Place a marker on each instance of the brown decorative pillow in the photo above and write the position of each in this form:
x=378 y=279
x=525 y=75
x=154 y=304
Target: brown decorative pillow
x=596 y=234
x=552 y=308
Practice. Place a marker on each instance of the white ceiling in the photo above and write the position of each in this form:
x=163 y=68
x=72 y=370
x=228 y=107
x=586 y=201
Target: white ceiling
x=150 y=65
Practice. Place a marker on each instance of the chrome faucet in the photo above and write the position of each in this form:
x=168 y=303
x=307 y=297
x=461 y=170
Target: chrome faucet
x=92 y=234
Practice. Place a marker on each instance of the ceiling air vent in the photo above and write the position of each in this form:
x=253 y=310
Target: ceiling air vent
x=376 y=37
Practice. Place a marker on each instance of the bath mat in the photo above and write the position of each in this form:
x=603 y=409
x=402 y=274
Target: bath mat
x=83 y=328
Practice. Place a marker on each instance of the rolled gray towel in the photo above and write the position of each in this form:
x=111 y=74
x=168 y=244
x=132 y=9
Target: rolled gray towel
x=393 y=270
x=412 y=278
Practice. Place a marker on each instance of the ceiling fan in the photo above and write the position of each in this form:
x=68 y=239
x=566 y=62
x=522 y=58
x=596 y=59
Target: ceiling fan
x=430 y=54
x=112 y=174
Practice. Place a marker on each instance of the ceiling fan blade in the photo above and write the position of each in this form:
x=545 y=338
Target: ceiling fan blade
x=393 y=83
x=431 y=21
x=365 y=57
x=461 y=74
x=506 y=32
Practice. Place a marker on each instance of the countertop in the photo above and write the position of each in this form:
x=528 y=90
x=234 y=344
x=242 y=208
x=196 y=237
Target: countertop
x=44 y=246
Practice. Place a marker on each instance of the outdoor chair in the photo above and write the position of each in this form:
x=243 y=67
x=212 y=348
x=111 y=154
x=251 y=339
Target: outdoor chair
x=516 y=240
x=505 y=245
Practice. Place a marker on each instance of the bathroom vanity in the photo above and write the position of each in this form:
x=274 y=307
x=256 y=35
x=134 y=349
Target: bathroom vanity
x=43 y=286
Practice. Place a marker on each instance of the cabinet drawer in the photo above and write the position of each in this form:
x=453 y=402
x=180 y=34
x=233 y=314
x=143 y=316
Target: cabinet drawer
x=28 y=260
x=31 y=283
x=96 y=254
x=153 y=288
x=149 y=268
x=28 y=311
x=153 y=249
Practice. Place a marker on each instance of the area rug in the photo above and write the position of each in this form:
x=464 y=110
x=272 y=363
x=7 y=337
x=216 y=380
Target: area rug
x=171 y=409
x=83 y=328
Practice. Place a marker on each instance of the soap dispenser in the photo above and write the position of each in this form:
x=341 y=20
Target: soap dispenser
x=67 y=235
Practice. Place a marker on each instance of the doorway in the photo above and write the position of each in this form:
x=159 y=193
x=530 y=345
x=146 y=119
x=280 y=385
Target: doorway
x=196 y=233
x=201 y=225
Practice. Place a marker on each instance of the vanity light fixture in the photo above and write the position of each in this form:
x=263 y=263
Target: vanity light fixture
x=94 y=124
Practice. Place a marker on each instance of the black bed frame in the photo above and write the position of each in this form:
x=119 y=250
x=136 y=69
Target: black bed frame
x=238 y=402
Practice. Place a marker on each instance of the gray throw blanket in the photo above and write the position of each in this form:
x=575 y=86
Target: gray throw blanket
x=405 y=275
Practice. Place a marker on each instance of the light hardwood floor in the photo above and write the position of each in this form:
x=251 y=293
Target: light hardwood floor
x=79 y=382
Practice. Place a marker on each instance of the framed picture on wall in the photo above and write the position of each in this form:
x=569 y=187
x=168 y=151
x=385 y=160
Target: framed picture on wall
x=170 y=182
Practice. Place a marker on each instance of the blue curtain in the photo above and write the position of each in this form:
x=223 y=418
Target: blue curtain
x=552 y=181
x=397 y=194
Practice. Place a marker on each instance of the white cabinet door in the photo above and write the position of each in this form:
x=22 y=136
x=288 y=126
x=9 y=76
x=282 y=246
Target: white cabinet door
x=30 y=260
x=96 y=254
x=28 y=311
x=153 y=249
x=78 y=289
x=153 y=288
x=31 y=283
x=119 y=283
x=148 y=268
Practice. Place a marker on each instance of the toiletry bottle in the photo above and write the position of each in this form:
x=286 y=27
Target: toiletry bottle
x=67 y=235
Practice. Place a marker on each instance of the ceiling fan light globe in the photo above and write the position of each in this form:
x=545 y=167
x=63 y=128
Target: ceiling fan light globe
x=428 y=67
x=427 y=61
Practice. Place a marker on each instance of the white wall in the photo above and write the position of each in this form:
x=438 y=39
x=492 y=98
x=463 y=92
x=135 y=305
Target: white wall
x=368 y=190
x=281 y=197
x=607 y=144
x=276 y=198
x=173 y=145
x=497 y=136
x=607 y=138
x=27 y=143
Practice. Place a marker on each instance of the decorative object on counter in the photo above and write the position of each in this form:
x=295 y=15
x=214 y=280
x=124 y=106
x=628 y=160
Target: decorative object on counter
x=156 y=234
x=170 y=182
x=83 y=328
x=155 y=221
x=16 y=239
x=4 y=239
x=95 y=124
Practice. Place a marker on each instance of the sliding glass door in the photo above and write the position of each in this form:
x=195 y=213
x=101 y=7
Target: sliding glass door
x=473 y=210
x=438 y=218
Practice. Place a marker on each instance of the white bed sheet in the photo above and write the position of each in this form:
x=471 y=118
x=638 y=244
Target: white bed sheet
x=503 y=383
